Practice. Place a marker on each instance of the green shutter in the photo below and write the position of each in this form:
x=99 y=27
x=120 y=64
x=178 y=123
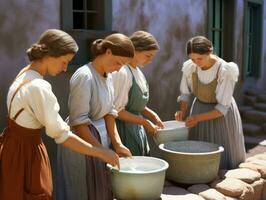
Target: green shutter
x=253 y=37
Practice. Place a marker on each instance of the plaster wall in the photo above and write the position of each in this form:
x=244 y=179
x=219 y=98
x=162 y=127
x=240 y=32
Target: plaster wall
x=172 y=23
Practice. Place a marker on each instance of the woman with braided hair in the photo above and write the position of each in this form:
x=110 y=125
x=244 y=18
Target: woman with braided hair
x=92 y=117
x=25 y=172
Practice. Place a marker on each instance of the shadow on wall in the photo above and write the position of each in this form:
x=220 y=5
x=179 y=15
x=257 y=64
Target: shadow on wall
x=172 y=23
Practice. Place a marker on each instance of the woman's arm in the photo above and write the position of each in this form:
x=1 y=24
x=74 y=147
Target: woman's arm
x=77 y=144
x=120 y=149
x=180 y=114
x=83 y=131
x=150 y=114
x=135 y=119
x=194 y=119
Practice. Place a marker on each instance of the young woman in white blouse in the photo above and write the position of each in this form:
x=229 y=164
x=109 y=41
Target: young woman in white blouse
x=24 y=164
x=214 y=116
x=132 y=96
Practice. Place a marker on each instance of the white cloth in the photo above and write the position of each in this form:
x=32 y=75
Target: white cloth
x=227 y=77
x=122 y=81
x=40 y=106
x=100 y=126
x=91 y=96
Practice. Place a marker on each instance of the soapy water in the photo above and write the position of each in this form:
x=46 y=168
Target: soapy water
x=131 y=166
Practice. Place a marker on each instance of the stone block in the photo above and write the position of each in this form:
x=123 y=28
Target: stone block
x=177 y=193
x=206 y=192
x=250 y=129
x=234 y=188
x=255 y=167
x=258 y=188
x=243 y=174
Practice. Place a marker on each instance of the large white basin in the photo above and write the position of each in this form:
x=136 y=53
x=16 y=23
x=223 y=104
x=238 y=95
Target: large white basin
x=139 y=178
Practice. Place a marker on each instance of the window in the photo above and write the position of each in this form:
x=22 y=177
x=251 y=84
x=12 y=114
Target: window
x=221 y=27
x=253 y=37
x=215 y=24
x=85 y=21
x=86 y=14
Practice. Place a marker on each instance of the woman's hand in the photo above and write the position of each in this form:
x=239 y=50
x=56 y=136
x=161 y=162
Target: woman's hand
x=122 y=151
x=159 y=122
x=150 y=127
x=179 y=115
x=109 y=156
x=192 y=121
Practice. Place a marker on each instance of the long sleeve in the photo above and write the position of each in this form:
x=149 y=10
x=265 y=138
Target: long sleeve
x=45 y=108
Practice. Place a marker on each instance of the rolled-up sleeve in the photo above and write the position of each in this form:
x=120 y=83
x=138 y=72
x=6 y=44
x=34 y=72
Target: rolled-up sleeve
x=79 y=98
x=184 y=90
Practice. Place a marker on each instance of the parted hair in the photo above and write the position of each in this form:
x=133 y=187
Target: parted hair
x=52 y=42
x=144 y=41
x=199 y=45
x=118 y=43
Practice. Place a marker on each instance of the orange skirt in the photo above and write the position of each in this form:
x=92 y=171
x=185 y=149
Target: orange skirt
x=25 y=172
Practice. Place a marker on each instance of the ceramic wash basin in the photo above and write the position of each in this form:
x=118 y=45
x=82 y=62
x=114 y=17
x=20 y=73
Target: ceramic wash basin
x=191 y=162
x=139 y=178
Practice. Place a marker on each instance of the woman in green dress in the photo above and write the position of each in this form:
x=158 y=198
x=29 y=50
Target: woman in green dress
x=132 y=95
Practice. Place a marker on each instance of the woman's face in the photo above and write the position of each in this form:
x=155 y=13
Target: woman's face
x=114 y=63
x=144 y=57
x=56 y=65
x=201 y=60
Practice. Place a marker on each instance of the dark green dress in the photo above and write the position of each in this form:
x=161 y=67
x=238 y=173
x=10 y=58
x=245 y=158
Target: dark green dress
x=133 y=136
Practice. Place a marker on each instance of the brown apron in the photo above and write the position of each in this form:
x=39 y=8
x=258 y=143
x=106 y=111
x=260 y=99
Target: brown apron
x=205 y=92
x=25 y=172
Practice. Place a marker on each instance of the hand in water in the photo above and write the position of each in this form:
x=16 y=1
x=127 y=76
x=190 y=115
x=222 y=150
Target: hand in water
x=110 y=157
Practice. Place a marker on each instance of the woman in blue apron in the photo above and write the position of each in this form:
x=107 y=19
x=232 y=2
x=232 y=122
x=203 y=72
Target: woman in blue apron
x=132 y=96
x=92 y=117
x=214 y=116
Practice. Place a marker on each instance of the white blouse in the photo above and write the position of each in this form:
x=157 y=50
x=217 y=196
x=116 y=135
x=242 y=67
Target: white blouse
x=227 y=78
x=122 y=81
x=40 y=106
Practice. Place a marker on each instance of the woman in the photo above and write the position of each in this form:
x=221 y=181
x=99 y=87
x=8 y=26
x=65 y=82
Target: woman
x=214 y=115
x=91 y=113
x=132 y=95
x=25 y=172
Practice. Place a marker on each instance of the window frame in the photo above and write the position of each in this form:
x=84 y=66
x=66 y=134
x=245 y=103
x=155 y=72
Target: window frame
x=84 y=37
x=67 y=19
x=215 y=25
x=255 y=71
